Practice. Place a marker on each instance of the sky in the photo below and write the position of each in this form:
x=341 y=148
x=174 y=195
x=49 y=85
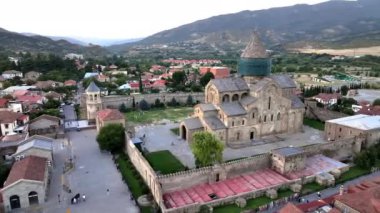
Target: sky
x=118 y=19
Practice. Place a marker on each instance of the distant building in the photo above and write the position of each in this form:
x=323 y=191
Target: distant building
x=109 y=116
x=35 y=146
x=90 y=74
x=32 y=75
x=12 y=89
x=364 y=126
x=48 y=84
x=45 y=125
x=327 y=98
x=10 y=74
x=219 y=72
x=73 y=56
x=9 y=121
x=70 y=83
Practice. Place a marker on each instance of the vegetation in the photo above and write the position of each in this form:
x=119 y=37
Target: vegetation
x=353 y=173
x=206 y=78
x=207 y=149
x=154 y=115
x=316 y=124
x=111 y=138
x=4 y=172
x=164 y=162
x=376 y=102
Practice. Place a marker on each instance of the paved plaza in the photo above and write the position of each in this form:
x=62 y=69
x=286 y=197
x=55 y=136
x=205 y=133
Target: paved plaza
x=93 y=174
x=159 y=137
x=367 y=95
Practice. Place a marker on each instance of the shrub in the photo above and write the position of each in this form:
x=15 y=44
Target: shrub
x=144 y=105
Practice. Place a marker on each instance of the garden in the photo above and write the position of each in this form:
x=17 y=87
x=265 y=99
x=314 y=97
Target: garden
x=159 y=114
x=164 y=162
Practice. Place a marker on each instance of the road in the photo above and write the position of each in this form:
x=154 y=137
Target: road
x=329 y=191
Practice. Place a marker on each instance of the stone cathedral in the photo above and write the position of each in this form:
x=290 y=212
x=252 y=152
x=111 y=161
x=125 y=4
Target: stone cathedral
x=241 y=110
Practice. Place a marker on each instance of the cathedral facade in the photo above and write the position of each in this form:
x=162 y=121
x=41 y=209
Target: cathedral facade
x=241 y=110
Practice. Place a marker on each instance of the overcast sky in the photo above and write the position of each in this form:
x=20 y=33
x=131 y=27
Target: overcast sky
x=115 y=19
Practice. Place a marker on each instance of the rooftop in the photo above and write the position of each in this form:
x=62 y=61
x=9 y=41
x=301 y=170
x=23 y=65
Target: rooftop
x=363 y=122
x=9 y=116
x=193 y=123
x=207 y=107
x=230 y=84
x=284 y=81
x=233 y=109
x=29 y=168
x=35 y=143
x=214 y=123
x=255 y=48
x=110 y=114
x=92 y=87
x=288 y=151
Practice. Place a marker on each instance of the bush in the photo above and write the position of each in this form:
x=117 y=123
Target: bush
x=123 y=108
x=173 y=102
x=144 y=105
x=158 y=104
x=189 y=101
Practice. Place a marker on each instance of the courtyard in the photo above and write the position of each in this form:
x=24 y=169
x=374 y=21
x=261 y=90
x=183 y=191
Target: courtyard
x=157 y=115
x=160 y=137
x=367 y=95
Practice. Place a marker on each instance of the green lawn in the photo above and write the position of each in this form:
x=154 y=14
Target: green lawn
x=311 y=187
x=165 y=162
x=353 y=173
x=150 y=116
x=314 y=124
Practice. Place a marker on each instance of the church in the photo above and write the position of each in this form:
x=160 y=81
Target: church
x=242 y=110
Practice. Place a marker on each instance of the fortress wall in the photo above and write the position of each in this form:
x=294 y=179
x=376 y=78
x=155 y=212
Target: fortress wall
x=185 y=179
x=115 y=101
x=144 y=168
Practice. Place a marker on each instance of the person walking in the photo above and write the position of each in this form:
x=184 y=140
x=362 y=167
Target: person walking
x=319 y=194
x=108 y=192
x=84 y=197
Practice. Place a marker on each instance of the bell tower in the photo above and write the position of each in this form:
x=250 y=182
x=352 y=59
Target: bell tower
x=93 y=101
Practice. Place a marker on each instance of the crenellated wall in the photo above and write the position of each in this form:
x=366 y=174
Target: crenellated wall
x=184 y=179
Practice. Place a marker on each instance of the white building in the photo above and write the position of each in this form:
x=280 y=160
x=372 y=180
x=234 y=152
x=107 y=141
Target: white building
x=10 y=74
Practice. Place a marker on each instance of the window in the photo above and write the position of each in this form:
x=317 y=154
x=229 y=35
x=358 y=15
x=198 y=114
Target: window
x=6 y=126
x=233 y=123
x=253 y=115
x=271 y=117
x=265 y=118
x=269 y=100
x=278 y=116
x=242 y=123
x=237 y=135
x=340 y=129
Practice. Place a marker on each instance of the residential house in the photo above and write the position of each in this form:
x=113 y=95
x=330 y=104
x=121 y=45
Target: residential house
x=113 y=67
x=135 y=86
x=10 y=74
x=117 y=72
x=31 y=99
x=160 y=85
x=12 y=89
x=70 y=83
x=54 y=95
x=109 y=116
x=19 y=93
x=90 y=75
x=73 y=56
x=327 y=98
x=102 y=78
x=45 y=125
x=27 y=183
x=32 y=75
x=10 y=121
x=4 y=103
x=15 y=106
x=157 y=68
x=48 y=84
x=124 y=87
x=35 y=146
x=218 y=72
x=8 y=145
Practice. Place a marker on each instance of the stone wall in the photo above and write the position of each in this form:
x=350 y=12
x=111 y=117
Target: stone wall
x=144 y=168
x=115 y=101
x=180 y=180
x=22 y=189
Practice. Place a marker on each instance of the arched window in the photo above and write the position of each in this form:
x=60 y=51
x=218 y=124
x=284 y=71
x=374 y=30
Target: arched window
x=265 y=118
x=253 y=115
x=235 y=97
x=278 y=116
x=233 y=123
x=226 y=98
x=269 y=100
x=271 y=117
x=260 y=119
x=242 y=123
x=244 y=95
x=237 y=135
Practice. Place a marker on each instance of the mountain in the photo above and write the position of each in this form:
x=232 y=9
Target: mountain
x=334 y=23
x=16 y=42
x=71 y=40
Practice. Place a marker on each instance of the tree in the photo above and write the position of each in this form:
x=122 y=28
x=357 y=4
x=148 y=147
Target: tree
x=133 y=102
x=173 y=102
x=179 y=78
x=189 y=100
x=111 y=137
x=52 y=104
x=207 y=149
x=144 y=105
x=344 y=90
x=123 y=108
x=376 y=102
x=206 y=78
x=158 y=103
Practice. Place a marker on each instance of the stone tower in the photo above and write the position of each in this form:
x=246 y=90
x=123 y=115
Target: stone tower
x=93 y=101
x=254 y=61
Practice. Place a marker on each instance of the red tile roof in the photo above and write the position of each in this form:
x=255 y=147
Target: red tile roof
x=327 y=96
x=10 y=117
x=369 y=110
x=290 y=208
x=29 y=168
x=18 y=93
x=70 y=83
x=159 y=83
x=3 y=102
x=32 y=99
x=362 y=201
x=110 y=114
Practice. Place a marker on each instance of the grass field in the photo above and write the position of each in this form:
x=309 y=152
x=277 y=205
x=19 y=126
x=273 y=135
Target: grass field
x=314 y=124
x=154 y=115
x=353 y=173
x=165 y=162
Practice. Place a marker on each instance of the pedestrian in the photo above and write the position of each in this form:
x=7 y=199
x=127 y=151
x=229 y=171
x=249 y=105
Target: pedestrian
x=74 y=200
x=319 y=194
x=59 y=198
x=84 y=197
x=108 y=192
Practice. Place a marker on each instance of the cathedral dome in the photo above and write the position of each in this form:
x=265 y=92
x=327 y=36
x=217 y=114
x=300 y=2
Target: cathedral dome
x=254 y=60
